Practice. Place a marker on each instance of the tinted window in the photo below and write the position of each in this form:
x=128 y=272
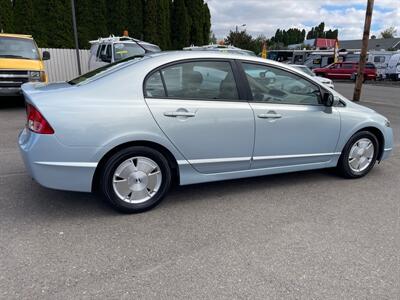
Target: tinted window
x=154 y=87
x=200 y=80
x=274 y=85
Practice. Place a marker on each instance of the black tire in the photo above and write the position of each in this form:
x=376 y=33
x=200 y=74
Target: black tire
x=107 y=176
x=344 y=166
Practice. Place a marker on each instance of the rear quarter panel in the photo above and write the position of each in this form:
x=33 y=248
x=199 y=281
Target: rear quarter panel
x=102 y=114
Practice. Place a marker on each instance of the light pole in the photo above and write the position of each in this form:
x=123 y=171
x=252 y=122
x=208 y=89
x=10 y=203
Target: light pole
x=78 y=59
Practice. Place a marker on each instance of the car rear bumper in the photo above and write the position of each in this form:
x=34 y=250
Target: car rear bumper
x=54 y=165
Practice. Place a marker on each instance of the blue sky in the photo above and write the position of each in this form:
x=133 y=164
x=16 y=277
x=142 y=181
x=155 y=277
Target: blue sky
x=265 y=16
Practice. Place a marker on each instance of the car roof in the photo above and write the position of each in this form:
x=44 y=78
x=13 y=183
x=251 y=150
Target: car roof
x=21 y=36
x=182 y=54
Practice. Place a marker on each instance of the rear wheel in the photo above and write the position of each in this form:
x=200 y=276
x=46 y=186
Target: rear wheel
x=359 y=155
x=135 y=179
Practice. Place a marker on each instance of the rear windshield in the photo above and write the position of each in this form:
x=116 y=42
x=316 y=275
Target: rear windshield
x=18 y=48
x=104 y=70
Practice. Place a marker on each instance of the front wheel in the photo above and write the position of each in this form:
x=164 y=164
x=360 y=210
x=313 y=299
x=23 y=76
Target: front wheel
x=135 y=179
x=359 y=155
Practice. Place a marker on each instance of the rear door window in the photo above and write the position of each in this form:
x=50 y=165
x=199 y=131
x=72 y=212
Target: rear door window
x=205 y=80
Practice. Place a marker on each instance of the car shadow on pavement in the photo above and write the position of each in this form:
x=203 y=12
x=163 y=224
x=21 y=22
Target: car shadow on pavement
x=60 y=204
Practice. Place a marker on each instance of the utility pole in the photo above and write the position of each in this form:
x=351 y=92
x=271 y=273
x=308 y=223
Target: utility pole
x=363 y=55
x=78 y=59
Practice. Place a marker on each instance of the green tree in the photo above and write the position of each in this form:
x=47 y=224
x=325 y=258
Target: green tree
x=389 y=33
x=99 y=19
x=195 y=12
x=91 y=20
x=239 y=39
x=84 y=22
x=59 y=24
x=117 y=17
x=164 y=24
x=24 y=16
x=135 y=19
x=6 y=16
x=180 y=25
x=150 y=21
x=206 y=24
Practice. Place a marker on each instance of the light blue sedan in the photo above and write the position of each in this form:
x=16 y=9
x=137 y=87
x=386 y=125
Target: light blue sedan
x=132 y=129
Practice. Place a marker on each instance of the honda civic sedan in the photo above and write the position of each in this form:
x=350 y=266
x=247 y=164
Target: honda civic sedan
x=132 y=129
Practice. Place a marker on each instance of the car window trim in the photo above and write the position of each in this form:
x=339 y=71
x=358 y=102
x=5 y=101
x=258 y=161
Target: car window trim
x=250 y=94
x=231 y=62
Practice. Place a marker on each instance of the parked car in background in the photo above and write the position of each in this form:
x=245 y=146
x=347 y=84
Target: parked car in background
x=112 y=49
x=393 y=69
x=221 y=48
x=328 y=82
x=131 y=129
x=20 y=62
x=346 y=70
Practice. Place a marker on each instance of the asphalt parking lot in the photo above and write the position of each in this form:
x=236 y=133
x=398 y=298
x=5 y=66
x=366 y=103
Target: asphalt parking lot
x=309 y=235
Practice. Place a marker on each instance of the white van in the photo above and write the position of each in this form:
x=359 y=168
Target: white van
x=108 y=50
x=393 y=69
x=381 y=60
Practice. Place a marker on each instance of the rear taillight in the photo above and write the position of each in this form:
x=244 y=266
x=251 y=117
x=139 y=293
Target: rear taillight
x=36 y=122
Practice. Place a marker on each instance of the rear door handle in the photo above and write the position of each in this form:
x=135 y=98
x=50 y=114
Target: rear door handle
x=270 y=116
x=174 y=114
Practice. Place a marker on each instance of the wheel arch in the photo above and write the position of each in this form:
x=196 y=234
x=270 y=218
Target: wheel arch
x=380 y=137
x=160 y=148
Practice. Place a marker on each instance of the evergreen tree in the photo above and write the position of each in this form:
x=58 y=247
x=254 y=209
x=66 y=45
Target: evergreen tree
x=135 y=18
x=150 y=21
x=40 y=26
x=180 y=25
x=163 y=24
x=59 y=24
x=84 y=22
x=195 y=11
x=206 y=24
x=6 y=16
x=98 y=19
x=24 y=16
x=91 y=20
x=117 y=17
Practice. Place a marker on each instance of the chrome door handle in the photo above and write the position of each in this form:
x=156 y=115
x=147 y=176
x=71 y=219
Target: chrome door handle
x=269 y=116
x=174 y=114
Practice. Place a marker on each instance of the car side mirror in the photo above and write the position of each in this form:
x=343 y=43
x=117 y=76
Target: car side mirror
x=46 y=55
x=330 y=100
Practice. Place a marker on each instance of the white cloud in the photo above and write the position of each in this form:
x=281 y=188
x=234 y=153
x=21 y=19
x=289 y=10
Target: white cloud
x=265 y=16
